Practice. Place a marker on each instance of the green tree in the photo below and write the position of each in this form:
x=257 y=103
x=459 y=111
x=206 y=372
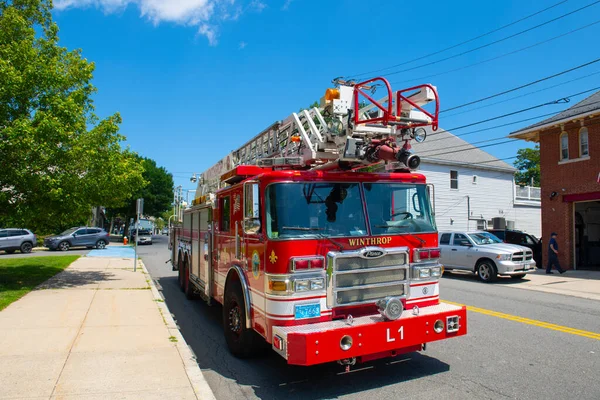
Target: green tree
x=58 y=158
x=157 y=194
x=528 y=165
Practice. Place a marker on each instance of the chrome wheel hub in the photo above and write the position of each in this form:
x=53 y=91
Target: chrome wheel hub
x=235 y=319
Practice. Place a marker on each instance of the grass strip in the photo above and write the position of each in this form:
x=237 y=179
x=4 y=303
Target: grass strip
x=18 y=276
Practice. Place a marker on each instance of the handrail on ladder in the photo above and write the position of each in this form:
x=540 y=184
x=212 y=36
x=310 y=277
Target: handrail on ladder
x=387 y=114
x=434 y=117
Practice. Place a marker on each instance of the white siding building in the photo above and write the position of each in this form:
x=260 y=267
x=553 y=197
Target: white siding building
x=472 y=187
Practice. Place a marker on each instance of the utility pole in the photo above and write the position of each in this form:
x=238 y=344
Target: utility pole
x=139 y=210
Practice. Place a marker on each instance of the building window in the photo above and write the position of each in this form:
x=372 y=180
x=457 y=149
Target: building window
x=583 y=143
x=564 y=146
x=453 y=179
x=481 y=224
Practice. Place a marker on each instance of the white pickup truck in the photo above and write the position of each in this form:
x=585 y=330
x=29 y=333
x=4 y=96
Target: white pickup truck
x=484 y=254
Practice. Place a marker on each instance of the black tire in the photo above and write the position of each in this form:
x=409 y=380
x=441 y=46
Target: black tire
x=242 y=342
x=180 y=275
x=101 y=244
x=486 y=271
x=26 y=247
x=519 y=276
x=188 y=287
x=63 y=246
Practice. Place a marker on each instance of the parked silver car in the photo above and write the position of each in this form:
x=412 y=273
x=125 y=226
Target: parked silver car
x=484 y=254
x=12 y=239
x=78 y=237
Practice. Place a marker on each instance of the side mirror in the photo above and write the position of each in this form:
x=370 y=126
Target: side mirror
x=251 y=225
x=251 y=208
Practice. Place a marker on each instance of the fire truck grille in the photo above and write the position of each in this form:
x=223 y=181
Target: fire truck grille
x=354 y=279
x=352 y=264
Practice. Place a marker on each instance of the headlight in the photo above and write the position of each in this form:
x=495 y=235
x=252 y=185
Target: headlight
x=317 y=284
x=302 y=285
x=424 y=273
x=436 y=272
x=504 y=257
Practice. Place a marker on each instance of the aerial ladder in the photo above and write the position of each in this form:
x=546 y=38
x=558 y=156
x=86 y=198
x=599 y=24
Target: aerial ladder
x=349 y=130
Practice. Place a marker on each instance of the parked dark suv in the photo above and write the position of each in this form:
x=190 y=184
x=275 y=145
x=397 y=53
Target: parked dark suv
x=78 y=237
x=523 y=239
x=12 y=239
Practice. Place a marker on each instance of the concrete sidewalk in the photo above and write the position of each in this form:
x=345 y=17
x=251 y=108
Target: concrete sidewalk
x=584 y=284
x=97 y=330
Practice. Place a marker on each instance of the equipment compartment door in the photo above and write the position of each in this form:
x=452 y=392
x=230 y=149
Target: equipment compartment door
x=204 y=245
x=195 y=234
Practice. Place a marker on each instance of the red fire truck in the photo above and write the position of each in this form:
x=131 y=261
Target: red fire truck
x=312 y=255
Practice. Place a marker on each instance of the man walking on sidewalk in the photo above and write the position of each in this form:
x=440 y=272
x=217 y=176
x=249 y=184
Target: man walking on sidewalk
x=553 y=255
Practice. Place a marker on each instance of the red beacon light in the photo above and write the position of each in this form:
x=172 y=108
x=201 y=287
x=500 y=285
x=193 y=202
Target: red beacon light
x=426 y=254
x=306 y=263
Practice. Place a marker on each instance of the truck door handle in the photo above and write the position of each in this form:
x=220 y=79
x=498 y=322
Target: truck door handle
x=454 y=249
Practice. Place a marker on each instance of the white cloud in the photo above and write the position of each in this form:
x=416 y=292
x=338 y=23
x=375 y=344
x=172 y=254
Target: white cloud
x=198 y=13
x=286 y=5
x=242 y=45
x=257 y=5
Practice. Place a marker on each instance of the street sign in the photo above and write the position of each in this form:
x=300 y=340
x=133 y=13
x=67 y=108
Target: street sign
x=140 y=206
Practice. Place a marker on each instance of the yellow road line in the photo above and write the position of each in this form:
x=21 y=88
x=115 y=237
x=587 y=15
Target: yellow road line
x=541 y=324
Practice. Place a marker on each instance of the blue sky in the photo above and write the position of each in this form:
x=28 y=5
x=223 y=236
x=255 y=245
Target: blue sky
x=194 y=79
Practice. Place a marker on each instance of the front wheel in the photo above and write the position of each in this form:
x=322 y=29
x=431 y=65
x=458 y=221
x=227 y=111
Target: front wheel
x=241 y=341
x=64 y=246
x=26 y=247
x=101 y=244
x=486 y=270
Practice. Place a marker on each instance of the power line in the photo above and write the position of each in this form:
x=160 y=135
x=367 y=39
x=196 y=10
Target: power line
x=497 y=159
x=462 y=43
x=562 y=100
x=506 y=124
x=501 y=55
x=494 y=42
x=522 y=86
x=522 y=95
x=470 y=146
x=480 y=147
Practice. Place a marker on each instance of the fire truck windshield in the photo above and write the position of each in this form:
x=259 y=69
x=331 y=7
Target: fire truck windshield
x=331 y=209
x=308 y=210
x=396 y=208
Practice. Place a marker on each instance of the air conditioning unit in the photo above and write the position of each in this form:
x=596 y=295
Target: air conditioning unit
x=499 y=222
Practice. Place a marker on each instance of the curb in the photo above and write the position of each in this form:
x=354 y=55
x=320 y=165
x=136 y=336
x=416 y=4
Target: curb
x=194 y=373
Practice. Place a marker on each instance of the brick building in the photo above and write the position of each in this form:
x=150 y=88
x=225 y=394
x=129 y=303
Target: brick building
x=570 y=181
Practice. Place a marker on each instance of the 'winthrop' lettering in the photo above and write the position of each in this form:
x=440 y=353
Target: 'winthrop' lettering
x=370 y=241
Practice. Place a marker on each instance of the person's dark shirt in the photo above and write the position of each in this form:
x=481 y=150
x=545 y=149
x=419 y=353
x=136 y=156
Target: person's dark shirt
x=552 y=243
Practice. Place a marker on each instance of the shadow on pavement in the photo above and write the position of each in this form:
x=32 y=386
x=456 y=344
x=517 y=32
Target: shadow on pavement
x=75 y=278
x=467 y=276
x=269 y=376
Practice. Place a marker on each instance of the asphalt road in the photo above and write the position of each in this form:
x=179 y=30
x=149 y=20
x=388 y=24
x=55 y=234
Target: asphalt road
x=498 y=359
